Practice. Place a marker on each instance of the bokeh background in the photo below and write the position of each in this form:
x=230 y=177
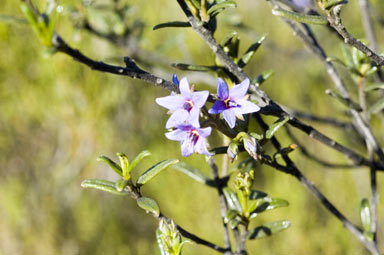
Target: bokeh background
x=57 y=116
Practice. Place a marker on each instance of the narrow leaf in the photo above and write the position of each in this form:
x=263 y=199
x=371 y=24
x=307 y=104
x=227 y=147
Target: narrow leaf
x=231 y=214
x=115 y=167
x=121 y=184
x=138 y=159
x=221 y=6
x=233 y=201
x=263 y=77
x=270 y=204
x=275 y=126
x=250 y=52
x=124 y=163
x=198 y=68
x=374 y=86
x=378 y=106
x=331 y=3
x=149 y=205
x=103 y=185
x=172 y=24
x=268 y=229
x=194 y=174
x=255 y=194
x=365 y=215
x=345 y=101
x=336 y=60
x=228 y=38
x=163 y=250
x=299 y=17
x=155 y=170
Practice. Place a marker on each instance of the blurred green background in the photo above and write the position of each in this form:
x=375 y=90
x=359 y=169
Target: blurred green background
x=57 y=116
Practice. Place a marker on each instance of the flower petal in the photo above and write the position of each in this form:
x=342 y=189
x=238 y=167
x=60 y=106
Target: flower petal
x=176 y=135
x=205 y=132
x=177 y=118
x=245 y=107
x=184 y=88
x=217 y=107
x=193 y=117
x=230 y=117
x=187 y=148
x=201 y=147
x=239 y=91
x=222 y=89
x=175 y=80
x=199 y=98
x=171 y=102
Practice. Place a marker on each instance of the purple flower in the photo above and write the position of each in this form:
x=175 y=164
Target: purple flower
x=232 y=102
x=185 y=105
x=192 y=139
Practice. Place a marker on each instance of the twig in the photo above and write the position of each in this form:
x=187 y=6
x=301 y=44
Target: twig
x=223 y=204
x=131 y=70
x=320 y=119
x=367 y=23
x=311 y=156
x=291 y=169
x=335 y=21
x=268 y=105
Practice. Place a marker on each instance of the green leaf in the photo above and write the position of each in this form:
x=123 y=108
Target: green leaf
x=365 y=215
x=124 y=163
x=378 y=106
x=172 y=24
x=121 y=184
x=299 y=17
x=155 y=170
x=255 y=194
x=217 y=8
x=198 y=68
x=231 y=214
x=250 y=52
x=336 y=60
x=194 y=174
x=331 y=3
x=369 y=235
x=163 y=250
x=263 y=77
x=115 y=167
x=270 y=204
x=232 y=200
x=275 y=126
x=138 y=159
x=228 y=38
x=103 y=185
x=268 y=229
x=149 y=205
x=345 y=101
x=374 y=86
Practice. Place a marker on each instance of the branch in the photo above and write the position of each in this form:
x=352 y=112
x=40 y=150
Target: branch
x=291 y=169
x=335 y=21
x=367 y=23
x=311 y=156
x=223 y=203
x=131 y=70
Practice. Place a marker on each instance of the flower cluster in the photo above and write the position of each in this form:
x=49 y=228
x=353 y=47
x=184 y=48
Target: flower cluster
x=185 y=111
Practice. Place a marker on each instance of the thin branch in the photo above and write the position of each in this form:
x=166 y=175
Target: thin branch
x=320 y=119
x=335 y=21
x=268 y=105
x=223 y=204
x=131 y=70
x=311 y=156
x=367 y=23
x=291 y=169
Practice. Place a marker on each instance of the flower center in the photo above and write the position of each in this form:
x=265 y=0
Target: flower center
x=194 y=136
x=229 y=103
x=188 y=105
